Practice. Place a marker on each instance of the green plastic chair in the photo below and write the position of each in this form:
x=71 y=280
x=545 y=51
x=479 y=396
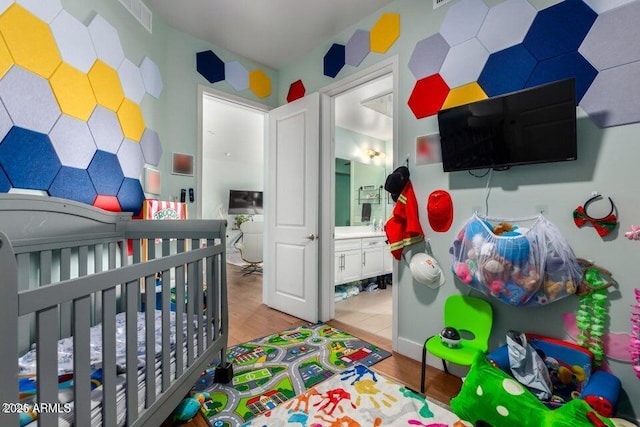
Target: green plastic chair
x=473 y=318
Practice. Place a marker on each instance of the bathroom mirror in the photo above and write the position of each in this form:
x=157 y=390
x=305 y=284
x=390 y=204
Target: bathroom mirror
x=360 y=197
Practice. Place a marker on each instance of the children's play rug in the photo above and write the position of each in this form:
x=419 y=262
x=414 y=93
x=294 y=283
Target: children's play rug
x=279 y=367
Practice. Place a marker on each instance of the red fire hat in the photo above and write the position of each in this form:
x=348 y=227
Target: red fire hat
x=440 y=210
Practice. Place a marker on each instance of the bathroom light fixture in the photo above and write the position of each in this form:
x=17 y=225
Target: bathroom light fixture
x=373 y=153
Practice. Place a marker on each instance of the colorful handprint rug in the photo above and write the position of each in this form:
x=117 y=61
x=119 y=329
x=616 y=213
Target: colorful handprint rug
x=274 y=369
x=358 y=397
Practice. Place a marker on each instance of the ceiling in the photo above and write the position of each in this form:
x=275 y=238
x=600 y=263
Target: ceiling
x=273 y=33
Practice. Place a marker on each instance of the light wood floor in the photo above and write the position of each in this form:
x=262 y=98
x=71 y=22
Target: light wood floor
x=249 y=319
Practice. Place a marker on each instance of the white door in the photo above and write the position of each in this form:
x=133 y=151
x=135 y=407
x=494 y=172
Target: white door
x=292 y=186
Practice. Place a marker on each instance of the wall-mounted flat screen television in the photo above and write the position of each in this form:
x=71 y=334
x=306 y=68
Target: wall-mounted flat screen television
x=533 y=125
x=242 y=202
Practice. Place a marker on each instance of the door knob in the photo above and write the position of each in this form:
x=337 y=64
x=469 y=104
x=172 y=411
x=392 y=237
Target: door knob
x=312 y=236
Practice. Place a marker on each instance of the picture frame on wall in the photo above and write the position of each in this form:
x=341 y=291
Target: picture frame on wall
x=428 y=149
x=182 y=164
x=151 y=183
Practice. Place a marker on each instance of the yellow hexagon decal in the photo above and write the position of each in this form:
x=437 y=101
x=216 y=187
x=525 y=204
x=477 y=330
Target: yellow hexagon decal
x=6 y=61
x=30 y=41
x=131 y=120
x=384 y=33
x=106 y=85
x=73 y=91
x=259 y=83
x=463 y=95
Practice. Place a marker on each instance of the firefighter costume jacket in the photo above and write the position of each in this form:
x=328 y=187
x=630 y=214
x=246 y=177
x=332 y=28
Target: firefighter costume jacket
x=403 y=228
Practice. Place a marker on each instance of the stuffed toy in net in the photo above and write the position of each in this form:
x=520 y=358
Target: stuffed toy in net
x=520 y=262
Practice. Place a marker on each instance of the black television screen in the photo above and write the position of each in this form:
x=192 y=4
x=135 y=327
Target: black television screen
x=534 y=125
x=245 y=202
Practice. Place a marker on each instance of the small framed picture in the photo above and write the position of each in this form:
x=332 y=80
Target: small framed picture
x=182 y=164
x=428 y=149
x=151 y=180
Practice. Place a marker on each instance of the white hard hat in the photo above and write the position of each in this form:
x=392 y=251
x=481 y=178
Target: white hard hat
x=425 y=269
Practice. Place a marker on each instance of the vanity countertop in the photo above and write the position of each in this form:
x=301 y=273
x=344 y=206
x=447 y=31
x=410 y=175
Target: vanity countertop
x=356 y=233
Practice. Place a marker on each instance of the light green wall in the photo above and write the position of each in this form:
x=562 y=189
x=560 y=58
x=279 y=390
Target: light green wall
x=607 y=163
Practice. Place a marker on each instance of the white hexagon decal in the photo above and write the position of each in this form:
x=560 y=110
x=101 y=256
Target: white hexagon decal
x=131 y=159
x=131 y=80
x=151 y=147
x=74 y=41
x=106 y=41
x=72 y=142
x=236 y=75
x=600 y=6
x=151 y=77
x=506 y=24
x=29 y=100
x=463 y=21
x=464 y=63
x=46 y=10
x=106 y=130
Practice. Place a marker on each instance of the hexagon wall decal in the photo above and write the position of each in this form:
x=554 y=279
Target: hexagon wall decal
x=559 y=29
x=106 y=130
x=5 y=184
x=74 y=41
x=601 y=6
x=427 y=96
x=151 y=77
x=73 y=142
x=611 y=100
x=463 y=21
x=106 y=173
x=151 y=147
x=612 y=40
x=428 y=55
x=131 y=120
x=334 y=60
x=131 y=81
x=45 y=10
x=210 y=66
x=30 y=41
x=464 y=95
x=236 y=75
x=131 y=196
x=106 y=85
x=296 y=91
x=106 y=41
x=29 y=100
x=108 y=203
x=28 y=159
x=564 y=66
x=507 y=70
x=260 y=83
x=73 y=184
x=506 y=24
x=5 y=122
x=385 y=32
x=131 y=159
x=6 y=61
x=464 y=63
x=73 y=91
x=357 y=48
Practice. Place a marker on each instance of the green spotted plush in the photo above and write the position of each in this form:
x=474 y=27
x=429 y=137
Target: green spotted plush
x=490 y=395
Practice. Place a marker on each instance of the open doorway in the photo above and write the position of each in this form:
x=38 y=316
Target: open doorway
x=363 y=155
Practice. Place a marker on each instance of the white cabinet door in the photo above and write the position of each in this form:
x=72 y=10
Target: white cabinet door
x=372 y=261
x=352 y=266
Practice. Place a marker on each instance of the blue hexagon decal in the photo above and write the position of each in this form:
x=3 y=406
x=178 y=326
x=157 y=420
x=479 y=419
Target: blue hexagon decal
x=334 y=60
x=73 y=184
x=5 y=184
x=559 y=29
x=507 y=70
x=561 y=67
x=106 y=173
x=210 y=66
x=28 y=158
x=131 y=196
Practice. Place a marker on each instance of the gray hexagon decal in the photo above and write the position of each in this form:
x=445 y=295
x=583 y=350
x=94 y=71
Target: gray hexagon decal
x=74 y=41
x=506 y=24
x=106 y=41
x=464 y=63
x=463 y=21
x=151 y=147
x=428 y=55
x=106 y=130
x=151 y=77
x=131 y=159
x=131 y=80
x=73 y=142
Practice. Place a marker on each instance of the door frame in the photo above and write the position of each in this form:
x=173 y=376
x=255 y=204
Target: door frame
x=327 y=182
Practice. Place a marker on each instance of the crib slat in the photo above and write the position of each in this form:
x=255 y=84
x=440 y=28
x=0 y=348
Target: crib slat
x=132 y=292
x=199 y=304
x=27 y=324
x=179 y=275
x=47 y=367
x=81 y=372
x=166 y=311
x=98 y=266
x=65 y=308
x=150 y=339
x=109 y=357
x=212 y=272
x=191 y=300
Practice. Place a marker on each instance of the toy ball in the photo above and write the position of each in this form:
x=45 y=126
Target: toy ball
x=186 y=410
x=514 y=249
x=450 y=337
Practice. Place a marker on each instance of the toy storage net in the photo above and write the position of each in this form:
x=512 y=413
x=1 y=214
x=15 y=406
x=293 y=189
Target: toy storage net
x=518 y=261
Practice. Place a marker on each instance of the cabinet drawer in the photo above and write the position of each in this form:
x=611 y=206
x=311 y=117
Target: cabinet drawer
x=373 y=242
x=347 y=244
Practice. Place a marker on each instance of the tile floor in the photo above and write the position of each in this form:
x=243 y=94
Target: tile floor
x=368 y=311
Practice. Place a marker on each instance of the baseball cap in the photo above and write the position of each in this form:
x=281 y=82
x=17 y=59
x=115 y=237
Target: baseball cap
x=440 y=210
